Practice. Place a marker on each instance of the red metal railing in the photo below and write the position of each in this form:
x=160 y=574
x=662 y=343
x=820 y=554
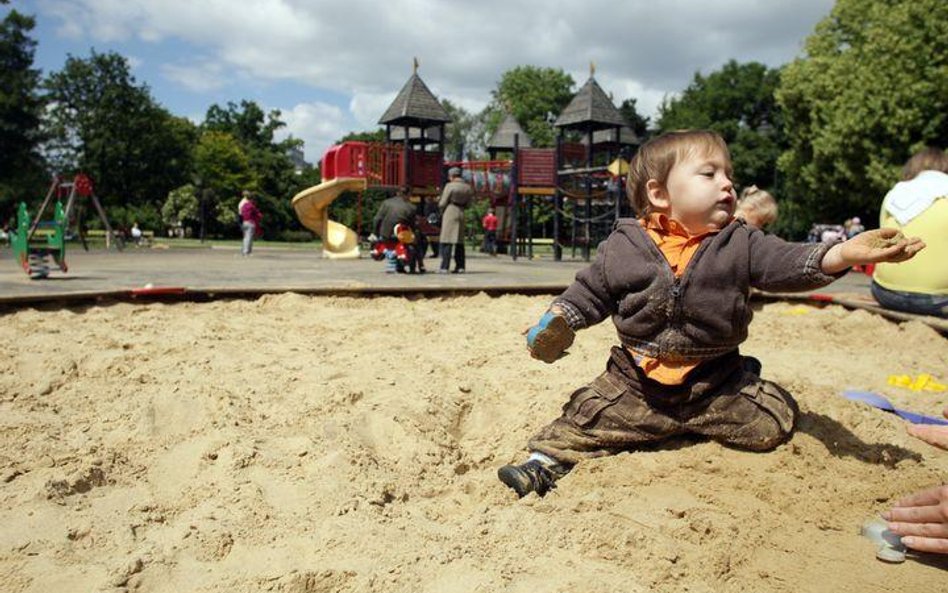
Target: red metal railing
x=382 y=164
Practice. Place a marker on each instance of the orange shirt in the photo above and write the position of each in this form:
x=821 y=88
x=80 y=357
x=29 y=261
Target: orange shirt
x=678 y=247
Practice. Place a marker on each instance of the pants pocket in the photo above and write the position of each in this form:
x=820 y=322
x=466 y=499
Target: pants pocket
x=773 y=400
x=587 y=403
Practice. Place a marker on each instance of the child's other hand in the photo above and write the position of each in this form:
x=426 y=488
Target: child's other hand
x=880 y=245
x=549 y=339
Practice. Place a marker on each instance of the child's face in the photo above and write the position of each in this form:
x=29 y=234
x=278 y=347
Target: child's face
x=698 y=194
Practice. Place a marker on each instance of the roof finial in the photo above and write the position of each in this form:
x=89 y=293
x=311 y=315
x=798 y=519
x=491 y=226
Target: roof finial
x=592 y=69
x=414 y=67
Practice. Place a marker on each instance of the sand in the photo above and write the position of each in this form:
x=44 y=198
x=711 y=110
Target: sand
x=309 y=445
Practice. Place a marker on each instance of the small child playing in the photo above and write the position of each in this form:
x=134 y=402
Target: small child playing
x=677 y=285
x=756 y=207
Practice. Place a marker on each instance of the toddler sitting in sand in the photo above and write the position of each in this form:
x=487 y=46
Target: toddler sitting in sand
x=677 y=285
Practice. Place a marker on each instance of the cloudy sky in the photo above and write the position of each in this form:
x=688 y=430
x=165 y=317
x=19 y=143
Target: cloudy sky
x=334 y=66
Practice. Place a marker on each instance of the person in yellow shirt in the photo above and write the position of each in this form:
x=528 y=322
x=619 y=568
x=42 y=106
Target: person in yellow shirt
x=918 y=206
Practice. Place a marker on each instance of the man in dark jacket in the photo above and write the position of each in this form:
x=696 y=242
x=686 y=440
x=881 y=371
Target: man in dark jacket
x=394 y=211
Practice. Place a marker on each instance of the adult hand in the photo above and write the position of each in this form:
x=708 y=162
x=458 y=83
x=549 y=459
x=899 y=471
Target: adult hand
x=922 y=520
x=934 y=435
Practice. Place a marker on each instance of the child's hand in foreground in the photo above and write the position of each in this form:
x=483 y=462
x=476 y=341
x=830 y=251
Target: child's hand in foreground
x=880 y=245
x=550 y=337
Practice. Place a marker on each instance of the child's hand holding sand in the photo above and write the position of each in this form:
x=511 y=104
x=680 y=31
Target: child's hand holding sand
x=550 y=337
x=871 y=247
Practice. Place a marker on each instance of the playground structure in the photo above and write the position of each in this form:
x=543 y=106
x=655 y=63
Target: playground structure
x=577 y=181
x=35 y=241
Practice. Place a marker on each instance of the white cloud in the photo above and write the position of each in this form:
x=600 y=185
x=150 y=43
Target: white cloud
x=362 y=49
x=200 y=76
x=367 y=107
x=317 y=124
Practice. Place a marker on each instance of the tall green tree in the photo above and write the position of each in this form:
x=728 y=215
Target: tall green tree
x=246 y=122
x=737 y=101
x=457 y=141
x=275 y=176
x=637 y=121
x=533 y=95
x=221 y=172
x=101 y=121
x=871 y=88
x=21 y=106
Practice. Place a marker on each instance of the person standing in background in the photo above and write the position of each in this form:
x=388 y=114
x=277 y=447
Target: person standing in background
x=250 y=218
x=455 y=198
x=489 y=222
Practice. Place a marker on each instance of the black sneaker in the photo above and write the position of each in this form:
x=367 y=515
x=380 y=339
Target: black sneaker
x=531 y=476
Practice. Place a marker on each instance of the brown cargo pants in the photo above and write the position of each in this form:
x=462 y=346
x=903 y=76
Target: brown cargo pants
x=622 y=408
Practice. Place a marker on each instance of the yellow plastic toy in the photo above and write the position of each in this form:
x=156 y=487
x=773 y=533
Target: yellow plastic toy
x=924 y=382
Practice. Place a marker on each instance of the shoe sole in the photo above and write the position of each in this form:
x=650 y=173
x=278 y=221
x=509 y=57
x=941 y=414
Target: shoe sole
x=555 y=338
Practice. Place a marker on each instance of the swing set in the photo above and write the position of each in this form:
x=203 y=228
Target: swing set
x=36 y=243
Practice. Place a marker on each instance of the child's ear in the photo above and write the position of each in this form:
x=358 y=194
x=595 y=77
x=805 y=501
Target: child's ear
x=657 y=196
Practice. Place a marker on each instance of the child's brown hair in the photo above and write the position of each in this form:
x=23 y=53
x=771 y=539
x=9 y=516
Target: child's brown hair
x=761 y=201
x=655 y=160
x=927 y=159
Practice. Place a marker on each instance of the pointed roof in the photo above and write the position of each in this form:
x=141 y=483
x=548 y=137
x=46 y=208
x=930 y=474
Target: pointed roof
x=590 y=108
x=415 y=105
x=503 y=138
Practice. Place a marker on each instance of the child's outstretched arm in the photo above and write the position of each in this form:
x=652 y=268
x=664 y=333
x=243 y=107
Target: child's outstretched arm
x=586 y=302
x=880 y=245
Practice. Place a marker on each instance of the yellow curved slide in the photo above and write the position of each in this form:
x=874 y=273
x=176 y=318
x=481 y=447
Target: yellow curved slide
x=312 y=206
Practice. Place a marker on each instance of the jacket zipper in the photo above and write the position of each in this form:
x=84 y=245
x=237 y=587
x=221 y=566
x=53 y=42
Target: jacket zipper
x=676 y=302
x=676 y=289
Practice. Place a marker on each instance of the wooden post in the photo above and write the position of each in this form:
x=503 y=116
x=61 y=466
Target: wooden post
x=515 y=203
x=406 y=169
x=618 y=195
x=557 y=198
x=587 y=226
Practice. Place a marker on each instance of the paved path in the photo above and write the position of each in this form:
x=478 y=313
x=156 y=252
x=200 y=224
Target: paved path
x=222 y=270
x=207 y=273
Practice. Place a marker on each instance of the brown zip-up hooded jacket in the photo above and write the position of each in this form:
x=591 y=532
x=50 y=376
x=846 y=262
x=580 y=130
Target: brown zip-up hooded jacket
x=701 y=315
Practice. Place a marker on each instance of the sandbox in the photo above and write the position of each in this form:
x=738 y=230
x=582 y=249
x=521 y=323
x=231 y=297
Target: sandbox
x=310 y=444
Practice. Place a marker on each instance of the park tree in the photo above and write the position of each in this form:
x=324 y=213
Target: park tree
x=276 y=179
x=870 y=89
x=457 y=140
x=182 y=207
x=534 y=96
x=221 y=172
x=637 y=121
x=373 y=136
x=102 y=122
x=737 y=101
x=21 y=169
